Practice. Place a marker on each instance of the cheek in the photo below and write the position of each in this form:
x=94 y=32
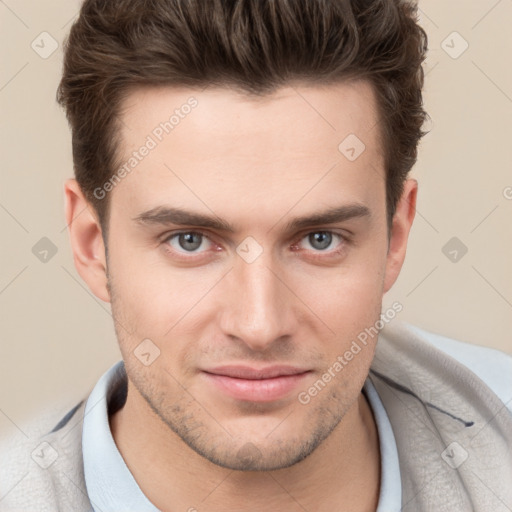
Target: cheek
x=350 y=296
x=155 y=300
x=349 y=301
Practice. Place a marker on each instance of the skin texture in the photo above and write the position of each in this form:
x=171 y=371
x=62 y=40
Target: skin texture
x=257 y=164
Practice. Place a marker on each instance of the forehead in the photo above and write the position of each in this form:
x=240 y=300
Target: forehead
x=222 y=115
x=214 y=144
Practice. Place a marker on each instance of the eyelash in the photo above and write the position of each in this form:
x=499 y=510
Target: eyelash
x=344 y=241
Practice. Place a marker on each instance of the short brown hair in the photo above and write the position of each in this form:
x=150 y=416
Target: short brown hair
x=253 y=46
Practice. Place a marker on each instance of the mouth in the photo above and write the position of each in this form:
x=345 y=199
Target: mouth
x=256 y=384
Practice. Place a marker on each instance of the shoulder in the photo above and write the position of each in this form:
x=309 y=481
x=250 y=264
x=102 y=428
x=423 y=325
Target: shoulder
x=41 y=461
x=492 y=366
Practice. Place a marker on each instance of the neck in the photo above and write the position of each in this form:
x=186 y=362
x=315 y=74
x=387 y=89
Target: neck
x=344 y=469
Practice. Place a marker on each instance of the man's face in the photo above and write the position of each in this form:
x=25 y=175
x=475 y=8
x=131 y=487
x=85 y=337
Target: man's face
x=266 y=292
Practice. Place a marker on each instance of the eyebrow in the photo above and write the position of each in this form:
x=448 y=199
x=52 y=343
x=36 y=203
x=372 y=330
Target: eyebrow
x=164 y=215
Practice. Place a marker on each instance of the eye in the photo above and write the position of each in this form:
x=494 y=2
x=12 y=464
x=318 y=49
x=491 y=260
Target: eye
x=188 y=242
x=323 y=240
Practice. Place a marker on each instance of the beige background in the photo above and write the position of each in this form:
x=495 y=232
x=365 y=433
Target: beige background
x=57 y=339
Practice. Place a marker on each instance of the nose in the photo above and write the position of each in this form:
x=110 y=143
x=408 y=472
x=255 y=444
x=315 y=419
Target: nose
x=259 y=309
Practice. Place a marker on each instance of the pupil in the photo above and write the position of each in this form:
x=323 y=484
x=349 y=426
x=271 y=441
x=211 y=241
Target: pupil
x=320 y=240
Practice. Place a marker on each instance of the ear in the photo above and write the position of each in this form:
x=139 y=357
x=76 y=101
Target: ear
x=86 y=240
x=402 y=222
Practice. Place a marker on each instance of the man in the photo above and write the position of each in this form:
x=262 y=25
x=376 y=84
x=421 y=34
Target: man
x=242 y=201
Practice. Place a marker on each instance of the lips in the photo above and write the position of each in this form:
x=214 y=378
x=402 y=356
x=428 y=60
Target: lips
x=256 y=384
x=246 y=372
